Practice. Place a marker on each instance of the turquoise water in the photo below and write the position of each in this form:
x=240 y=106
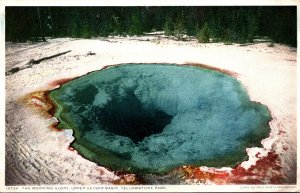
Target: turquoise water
x=154 y=117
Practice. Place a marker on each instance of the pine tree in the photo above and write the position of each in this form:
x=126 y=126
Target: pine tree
x=136 y=25
x=168 y=26
x=179 y=29
x=252 y=28
x=204 y=34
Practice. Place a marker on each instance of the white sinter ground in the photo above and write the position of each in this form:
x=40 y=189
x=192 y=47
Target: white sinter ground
x=36 y=154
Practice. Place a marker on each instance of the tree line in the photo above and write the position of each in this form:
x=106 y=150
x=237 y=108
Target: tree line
x=208 y=23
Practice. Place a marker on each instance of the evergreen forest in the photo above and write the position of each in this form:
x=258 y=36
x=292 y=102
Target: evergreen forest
x=233 y=24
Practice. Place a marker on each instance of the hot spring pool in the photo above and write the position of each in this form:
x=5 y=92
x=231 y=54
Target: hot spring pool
x=151 y=118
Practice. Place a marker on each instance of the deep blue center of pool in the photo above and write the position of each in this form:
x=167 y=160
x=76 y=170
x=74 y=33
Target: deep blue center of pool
x=126 y=116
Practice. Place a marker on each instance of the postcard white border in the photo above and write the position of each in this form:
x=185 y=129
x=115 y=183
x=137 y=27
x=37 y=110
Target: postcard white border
x=135 y=188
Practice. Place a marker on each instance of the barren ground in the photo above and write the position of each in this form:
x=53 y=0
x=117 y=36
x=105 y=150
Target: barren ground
x=36 y=154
